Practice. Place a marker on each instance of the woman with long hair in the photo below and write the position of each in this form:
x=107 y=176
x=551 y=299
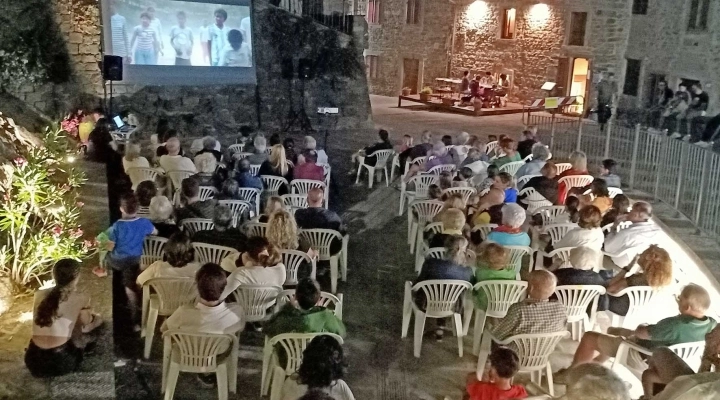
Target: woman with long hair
x=132 y=157
x=599 y=196
x=61 y=318
x=273 y=204
x=179 y=261
x=277 y=165
x=282 y=230
x=455 y=201
x=261 y=264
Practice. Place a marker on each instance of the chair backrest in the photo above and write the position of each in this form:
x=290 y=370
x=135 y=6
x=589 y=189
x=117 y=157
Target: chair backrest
x=521 y=181
x=528 y=158
x=435 y=252
x=153 y=248
x=435 y=227
x=173 y=293
x=206 y=252
x=382 y=157
x=256 y=299
x=558 y=231
x=562 y=253
x=294 y=345
x=441 y=295
x=639 y=296
x=327 y=300
x=484 y=229
x=440 y=168
x=562 y=167
x=576 y=181
x=303 y=186
x=516 y=256
x=549 y=213
x=577 y=298
x=292 y=260
x=198 y=352
x=417 y=160
x=251 y=195
x=293 y=202
x=422 y=182
x=512 y=167
x=491 y=146
x=501 y=294
x=690 y=352
x=273 y=183
x=327 y=170
x=240 y=155
x=614 y=191
x=240 y=209
x=533 y=199
x=255 y=229
x=254 y=169
x=176 y=177
x=192 y=225
x=426 y=210
x=320 y=240
x=207 y=192
x=466 y=192
x=534 y=350
x=235 y=148
x=621 y=226
x=141 y=174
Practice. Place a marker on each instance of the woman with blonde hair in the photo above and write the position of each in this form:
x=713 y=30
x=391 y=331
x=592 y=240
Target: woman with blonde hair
x=132 y=158
x=273 y=204
x=282 y=230
x=655 y=270
x=456 y=201
x=453 y=222
x=578 y=160
x=261 y=264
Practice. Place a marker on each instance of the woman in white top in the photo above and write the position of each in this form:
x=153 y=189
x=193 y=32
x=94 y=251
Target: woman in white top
x=61 y=318
x=310 y=143
x=587 y=234
x=132 y=158
x=321 y=370
x=261 y=264
x=179 y=256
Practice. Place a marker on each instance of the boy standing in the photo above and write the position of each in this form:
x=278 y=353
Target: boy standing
x=148 y=43
x=504 y=364
x=181 y=38
x=237 y=53
x=218 y=37
x=118 y=32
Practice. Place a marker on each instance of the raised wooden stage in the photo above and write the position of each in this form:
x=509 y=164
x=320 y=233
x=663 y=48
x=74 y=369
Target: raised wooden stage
x=435 y=103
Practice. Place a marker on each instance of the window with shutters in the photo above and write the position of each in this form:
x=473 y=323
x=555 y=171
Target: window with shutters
x=372 y=13
x=632 y=77
x=508 y=24
x=640 y=7
x=371 y=66
x=698 y=15
x=412 y=12
x=578 y=24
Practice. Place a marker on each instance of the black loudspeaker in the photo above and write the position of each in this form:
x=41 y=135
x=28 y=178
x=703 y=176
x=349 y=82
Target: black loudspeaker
x=288 y=68
x=112 y=68
x=306 y=68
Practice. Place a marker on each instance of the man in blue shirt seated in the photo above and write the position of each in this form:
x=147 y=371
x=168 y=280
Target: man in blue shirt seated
x=245 y=178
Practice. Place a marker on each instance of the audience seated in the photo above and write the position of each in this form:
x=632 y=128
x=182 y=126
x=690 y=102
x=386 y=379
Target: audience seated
x=261 y=264
x=546 y=185
x=463 y=178
x=290 y=153
x=132 y=158
x=453 y=201
x=599 y=196
x=504 y=364
x=571 y=213
x=368 y=152
x=581 y=271
x=258 y=155
x=320 y=374
x=476 y=160
x=276 y=164
x=161 y=215
x=273 y=204
x=491 y=172
x=309 y=169
x=303 y=315
x=228 y=190
x=619 y=209
x=211 y=314
x=504 y=182
x=446 y=180
x=419 y=150
x=527 y=146
x=244 y=176
x=441 y=156
x=607 y=172
x=595 y=382
x=310 y=144
x=635 y=238
x=540 y=155
x=578 y=160
x=655 y=270
x=691 y=325
x=282 y=231
x=507 y=146
x=222 y=234
x=194 y=207
x=536 y=314
x=210 y=146
x=453 y=221
x=318 y=217
x=588 y=233
x=179 y=256
x=206 y=164
x=173 y=161
x=62 y=318
x=144 y=192
x=510 y=232
x=488 y=209
x=492 y=266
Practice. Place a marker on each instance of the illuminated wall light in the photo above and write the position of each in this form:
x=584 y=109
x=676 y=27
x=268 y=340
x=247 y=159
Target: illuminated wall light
x=477 y=14
x=538 y=15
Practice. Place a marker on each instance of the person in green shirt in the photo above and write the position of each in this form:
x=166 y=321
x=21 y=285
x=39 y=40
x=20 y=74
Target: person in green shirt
x=691 y=325
x=508 y=148
x=302 y=315
x=491 y=266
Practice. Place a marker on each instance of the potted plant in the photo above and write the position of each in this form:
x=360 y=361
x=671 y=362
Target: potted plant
x=425 y=93
x=406 y=91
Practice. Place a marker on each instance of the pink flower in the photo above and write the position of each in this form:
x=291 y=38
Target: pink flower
x=64 y=188
x=57 y=230
x=76 y=233
x=20 y=162
x=79 y=204
x=88 y=244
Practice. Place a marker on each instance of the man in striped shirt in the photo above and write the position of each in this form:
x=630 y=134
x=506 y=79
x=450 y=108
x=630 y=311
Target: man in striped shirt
x=145 y=41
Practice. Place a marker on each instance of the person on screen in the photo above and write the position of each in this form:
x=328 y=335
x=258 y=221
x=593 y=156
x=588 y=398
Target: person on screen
x=147 y=41
x=204 y=39
x=236 y=53
x=119 y=36
x=218 y=34
x=157 y=26
x=181 y=38
x=246 y=30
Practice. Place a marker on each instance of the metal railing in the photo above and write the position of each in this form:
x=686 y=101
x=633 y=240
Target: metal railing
x=335 y=14
x=678 y=173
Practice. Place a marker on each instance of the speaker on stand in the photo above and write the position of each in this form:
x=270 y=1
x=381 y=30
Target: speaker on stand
x=112 y=70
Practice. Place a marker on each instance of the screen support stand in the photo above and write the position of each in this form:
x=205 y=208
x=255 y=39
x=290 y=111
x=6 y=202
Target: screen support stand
x=295 y=117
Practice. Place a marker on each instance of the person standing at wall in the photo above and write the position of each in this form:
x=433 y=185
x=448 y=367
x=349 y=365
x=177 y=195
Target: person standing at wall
x=606 y=92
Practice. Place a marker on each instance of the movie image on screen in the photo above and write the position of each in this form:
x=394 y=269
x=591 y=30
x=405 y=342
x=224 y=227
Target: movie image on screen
x=182 y=33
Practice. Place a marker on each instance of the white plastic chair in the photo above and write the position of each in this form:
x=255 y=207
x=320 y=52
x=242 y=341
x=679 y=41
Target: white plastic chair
x=200 y=353
x=153 y=250
x=441 y=299
x=256 y=300
x=207 y=192
x=255 y=229
x=442 y=167
x=484 y=229
x=381 y=157
x=320 y=240
x=516 y=257
x=303 y=186
x=573 y=181
x=533 y=199
x=549 y=213
x=512 y=167
x=327 y=300
x=252 y=196
x=211 y=253
x=500 y=294
x=194 y=225
x=562 y=167
x=640 y=298
x=533 y=350
x=420 y=161
x=562 y=253
x=422 y=246
x=141 y=174
x=293 y=345
x=236 y=148
x=395 y=164
x=242 y=154
x=558 y=231
x=523 y=180
x=528 y=158
x=421 y=182
x=466 y=192
x=420 y=213
x=623 y=225
x=292 y=259
x=176 y=177
x=239 y=208
x=294 y=202
x=690 y=352
x=161 y=297
x=491 y=146
x=254 y=169
x=272 y=184
x=577 y=299
x=143 y=212
x=439 y=253
x=614 y=191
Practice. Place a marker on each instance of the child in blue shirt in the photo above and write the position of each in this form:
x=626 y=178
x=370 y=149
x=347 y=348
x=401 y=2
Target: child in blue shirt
x=126 y=246
x=504 y=182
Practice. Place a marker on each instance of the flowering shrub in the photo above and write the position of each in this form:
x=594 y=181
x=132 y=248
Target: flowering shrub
x=39 y=212
x=71 y=123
